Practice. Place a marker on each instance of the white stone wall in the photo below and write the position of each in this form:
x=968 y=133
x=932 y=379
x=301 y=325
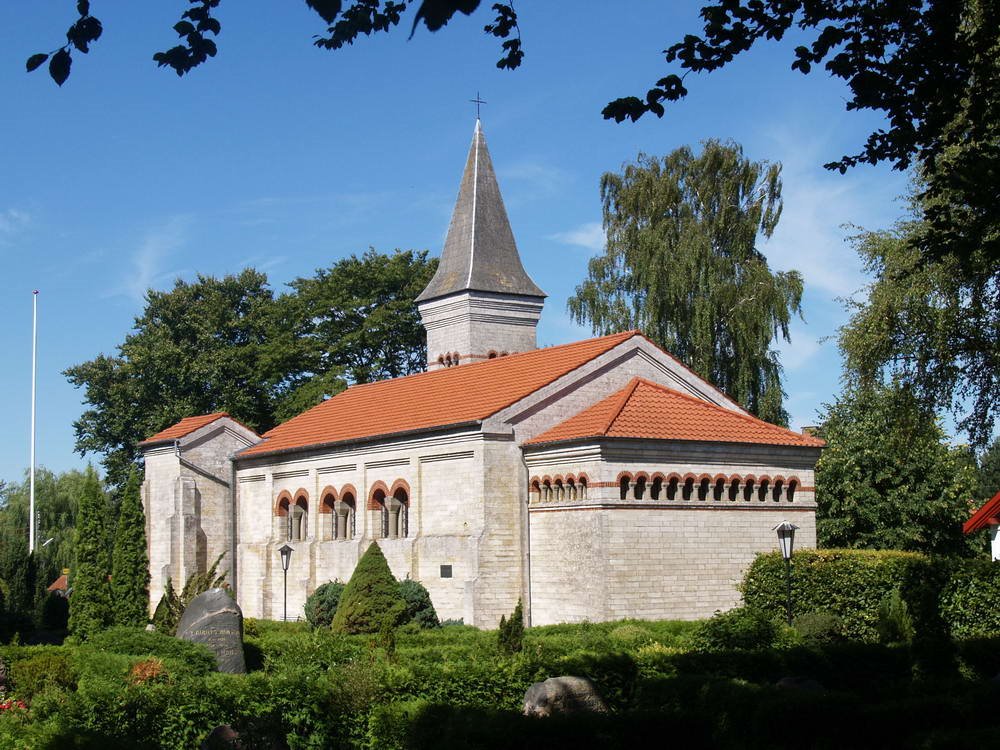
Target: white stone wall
x=647 y=562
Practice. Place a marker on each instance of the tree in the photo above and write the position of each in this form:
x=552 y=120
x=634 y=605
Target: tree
x=888 y=479
x=989 y=472
x=931 y=66
x=129 y=562
x=201 y=347
x=321 y=604
x=371 y=602
x=228 y=345
x=510 y=634
x=419 y=607
x=932 y=325
x=90 y=605
x=682 y=264
x=171 y=606
x=356 y=321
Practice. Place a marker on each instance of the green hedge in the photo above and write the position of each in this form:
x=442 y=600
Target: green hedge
x=944 y=596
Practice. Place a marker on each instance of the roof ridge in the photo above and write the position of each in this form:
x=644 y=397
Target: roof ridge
x=625 y=335
x=624 y=395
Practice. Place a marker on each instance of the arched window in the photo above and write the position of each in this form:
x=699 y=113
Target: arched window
x=623 y=484
x=793 y=485
x=762 y=489
x=327 y=517
x=570 y=488
x=734 y=488
x=560 y=490
x=546 y=490
x=581 y=491
x=672 y=488
x=748 y=488
x=298 y=517
x=703 y=488
x=688 y=492
x=492 y=354
x=395 y=512
x=640 y=487
x=656 y=488
x=345 y=515
x=779 y=489
x=535 y=491
x=719 y=489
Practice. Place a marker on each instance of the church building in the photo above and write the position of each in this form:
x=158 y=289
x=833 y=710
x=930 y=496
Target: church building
x=596 y=480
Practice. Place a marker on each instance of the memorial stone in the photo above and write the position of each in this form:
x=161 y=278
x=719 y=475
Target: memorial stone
x=215 y=619
x=563 y=695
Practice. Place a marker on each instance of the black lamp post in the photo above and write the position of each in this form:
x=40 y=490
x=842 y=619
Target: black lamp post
x=786 y=538
x=286 y=557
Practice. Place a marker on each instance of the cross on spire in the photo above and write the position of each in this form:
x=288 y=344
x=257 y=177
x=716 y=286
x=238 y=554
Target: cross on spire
x=477 y=101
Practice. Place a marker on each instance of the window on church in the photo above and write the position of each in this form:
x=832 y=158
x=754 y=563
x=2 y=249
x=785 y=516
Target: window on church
x=656 y=488
x=792 y=486
x=672 y=488
x=298 y=519
x=763 y=488
x=778 y=491
x=748 y=488
x=327 y=517
x=395 y=516
x=688 y=492
x=703 y=487
x=581 y=490
x=734 y=488
x=345 y=517
x=560 y=491
x=623 y=486
x=719 y=490
x=640 y=487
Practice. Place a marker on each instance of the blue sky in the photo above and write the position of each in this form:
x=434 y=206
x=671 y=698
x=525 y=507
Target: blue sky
x=284 y=157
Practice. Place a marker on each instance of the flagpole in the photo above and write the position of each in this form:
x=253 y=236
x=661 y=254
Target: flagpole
x=31 y=480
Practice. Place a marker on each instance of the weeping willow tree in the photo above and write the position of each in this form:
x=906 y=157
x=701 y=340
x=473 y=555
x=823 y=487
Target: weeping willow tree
x=681 y=264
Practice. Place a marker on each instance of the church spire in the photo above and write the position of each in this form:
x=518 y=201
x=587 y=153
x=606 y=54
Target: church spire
x=480 y=253
x=481 y=303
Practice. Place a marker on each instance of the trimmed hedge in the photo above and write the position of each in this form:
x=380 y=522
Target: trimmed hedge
x=943 y=596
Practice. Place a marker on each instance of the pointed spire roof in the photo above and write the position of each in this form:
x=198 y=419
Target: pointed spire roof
x=480 y=253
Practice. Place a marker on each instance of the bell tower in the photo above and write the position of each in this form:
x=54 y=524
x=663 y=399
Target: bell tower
x=481 y=303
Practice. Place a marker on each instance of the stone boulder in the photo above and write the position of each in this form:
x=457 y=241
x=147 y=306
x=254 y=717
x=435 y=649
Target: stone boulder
x=563 y=695
x=215 y=619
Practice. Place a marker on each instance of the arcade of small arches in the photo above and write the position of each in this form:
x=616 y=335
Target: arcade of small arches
x=554 y=489
x=337 y=518
x=705 y=487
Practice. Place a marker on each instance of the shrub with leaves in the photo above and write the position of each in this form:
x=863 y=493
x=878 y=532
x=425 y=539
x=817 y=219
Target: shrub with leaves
x=322 y=604
x=895 y=626
x=171 y=606
x=740 y=629
x=419 y=608
x=46 y=670
x=510 y=635
x=371 y=598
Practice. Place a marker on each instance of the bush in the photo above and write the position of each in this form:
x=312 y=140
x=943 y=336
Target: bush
x=510 y=636
x=419 y=608
x=849 y=583
x=740 y=629
x=371 y=598
x=322 y=604
x=895 y=626
x=55 y=612
x=37 y=673
x=817 y=628
x=969 y=600
x=140 y=642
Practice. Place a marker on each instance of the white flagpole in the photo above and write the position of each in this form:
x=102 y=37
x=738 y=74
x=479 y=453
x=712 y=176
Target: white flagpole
x=31 y=480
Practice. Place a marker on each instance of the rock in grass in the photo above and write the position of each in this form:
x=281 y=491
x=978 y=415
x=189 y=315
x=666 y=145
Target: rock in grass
x=213 y=618
x=563 y=695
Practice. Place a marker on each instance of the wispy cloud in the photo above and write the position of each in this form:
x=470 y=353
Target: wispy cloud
x=802 y=349
x=12 y=221
x=148 y=259
x=535 y=180
x=589 y=236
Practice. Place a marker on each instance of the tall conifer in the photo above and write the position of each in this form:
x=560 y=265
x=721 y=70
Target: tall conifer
x=130 y=564
x=371 y=600
x=90 y=602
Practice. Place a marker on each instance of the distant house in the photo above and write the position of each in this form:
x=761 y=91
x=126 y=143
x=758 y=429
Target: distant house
x=987 y=516
x=60 y=586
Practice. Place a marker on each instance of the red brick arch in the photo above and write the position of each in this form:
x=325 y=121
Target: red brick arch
x=328 y=498
x=283 y=503
x=373 y=503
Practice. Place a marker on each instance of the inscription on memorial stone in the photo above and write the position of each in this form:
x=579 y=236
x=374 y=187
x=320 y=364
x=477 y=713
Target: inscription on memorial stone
x=213 y=618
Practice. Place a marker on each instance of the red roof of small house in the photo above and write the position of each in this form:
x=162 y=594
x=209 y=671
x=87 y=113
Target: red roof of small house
x=648 y=410
x=185 y=427
x=439 y=398
x=988 y=515
x=60 y=584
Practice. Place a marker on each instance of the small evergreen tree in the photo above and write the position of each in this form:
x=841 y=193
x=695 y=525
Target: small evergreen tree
x=371 y=599
x=419 y=608
x=90 y=605
x=171 y=606
x=130 y=565
x=510 y=636
x=18 y=572
x=322 y=604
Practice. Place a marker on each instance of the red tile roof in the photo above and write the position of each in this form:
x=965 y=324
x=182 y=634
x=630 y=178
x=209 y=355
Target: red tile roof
x=644 y=409
x=60 y=584
x=185 y=427
x=990 y=512
x=456 y=395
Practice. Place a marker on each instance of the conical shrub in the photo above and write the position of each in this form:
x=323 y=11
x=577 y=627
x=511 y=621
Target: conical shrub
x=371 y=600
